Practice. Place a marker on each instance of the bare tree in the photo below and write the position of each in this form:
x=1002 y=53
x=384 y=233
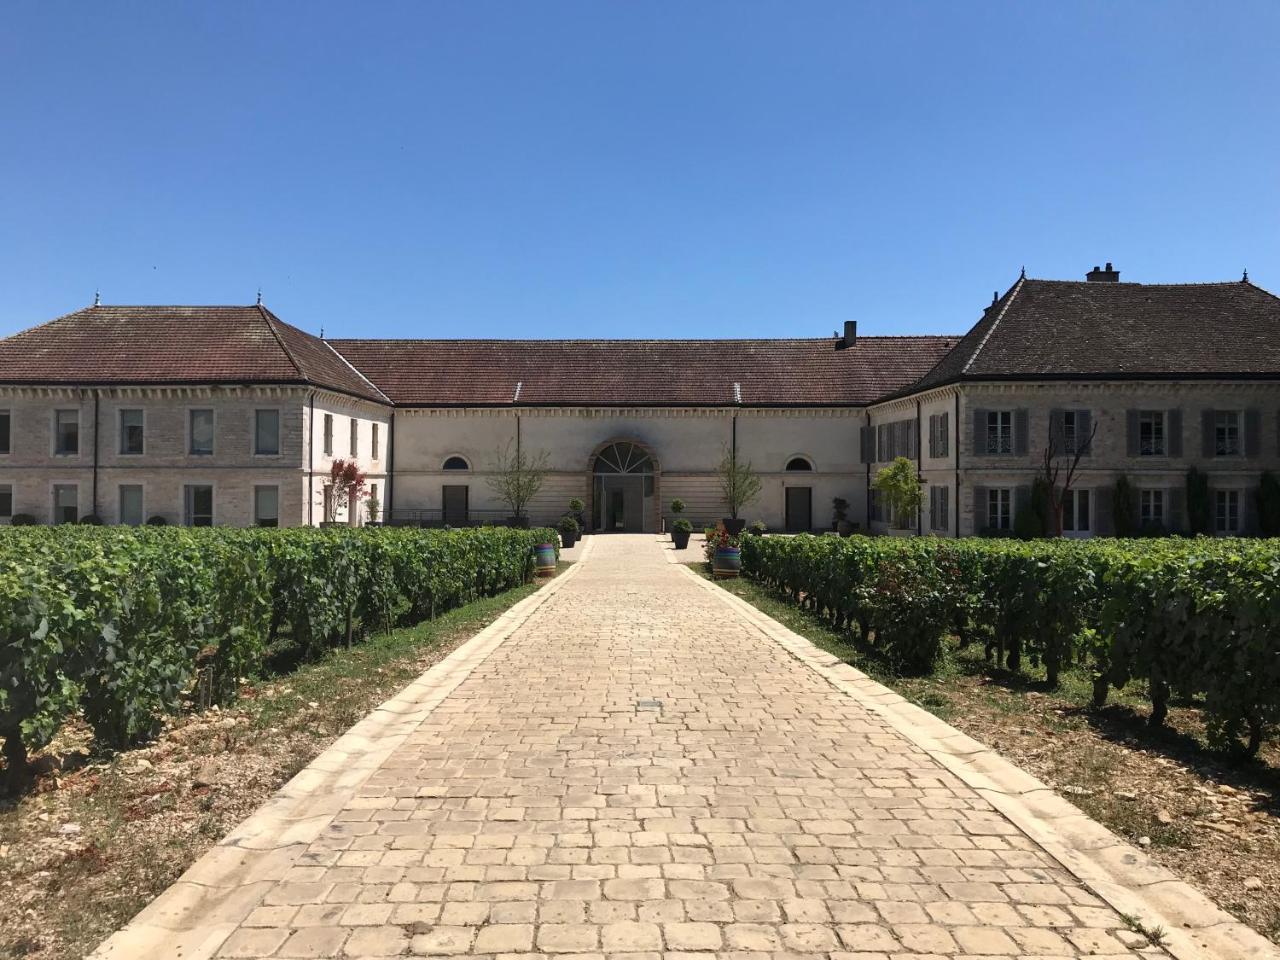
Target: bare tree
x=517 y=477
x=1059 y=470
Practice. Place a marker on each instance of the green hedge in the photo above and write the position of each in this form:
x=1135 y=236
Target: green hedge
x=1197 y=618
x=120 y=622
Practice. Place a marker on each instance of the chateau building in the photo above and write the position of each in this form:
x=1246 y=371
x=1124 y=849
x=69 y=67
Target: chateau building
x=227 y=415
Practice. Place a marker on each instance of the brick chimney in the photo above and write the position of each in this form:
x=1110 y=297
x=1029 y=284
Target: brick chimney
x=1108 y=275
x=850 y=335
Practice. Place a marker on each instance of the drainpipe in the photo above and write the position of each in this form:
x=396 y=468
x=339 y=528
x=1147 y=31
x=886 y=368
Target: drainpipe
x=956 y=449
x=919 y=473
x=311 y=462
x=96 y=395
x=391 y=468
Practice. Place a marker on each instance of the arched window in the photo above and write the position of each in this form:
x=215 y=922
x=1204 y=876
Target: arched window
x=623 y=457
x=799 y=463
x=456 y=463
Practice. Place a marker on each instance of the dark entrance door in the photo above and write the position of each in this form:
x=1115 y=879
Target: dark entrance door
x=799 y=509
x=455 y=500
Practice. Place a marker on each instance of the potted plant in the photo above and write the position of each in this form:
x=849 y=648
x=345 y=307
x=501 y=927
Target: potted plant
x=517 y=477
x=840 y=519
x=568 y=528
x=758 y=528
x=677 y=508
x=739 y=485
x=372 y=509
x=726 y=554
x=680 y=531
x=576 y=506
x=544 y=559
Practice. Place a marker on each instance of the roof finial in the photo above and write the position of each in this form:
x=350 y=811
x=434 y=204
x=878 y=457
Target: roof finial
x=1023 y=275
x=259 y=296
x=97 y=297
x=322 y=333
x=1245 y=278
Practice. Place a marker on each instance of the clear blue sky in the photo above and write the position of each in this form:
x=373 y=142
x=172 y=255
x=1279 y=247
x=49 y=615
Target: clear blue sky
x=628 y=169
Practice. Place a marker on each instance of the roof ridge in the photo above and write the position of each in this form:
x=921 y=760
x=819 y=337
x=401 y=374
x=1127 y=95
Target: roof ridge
x=352 y=367
x=1009 y=298
x=677 y=340
x=268 y=317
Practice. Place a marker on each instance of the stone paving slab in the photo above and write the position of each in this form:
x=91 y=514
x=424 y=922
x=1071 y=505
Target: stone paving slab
x=633 y=763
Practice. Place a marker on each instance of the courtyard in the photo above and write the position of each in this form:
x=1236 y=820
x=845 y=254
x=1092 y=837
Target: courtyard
x=632 y=761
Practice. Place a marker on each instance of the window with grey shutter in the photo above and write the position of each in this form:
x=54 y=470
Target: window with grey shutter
x=980 y=433
x=1131 y=432
x=1252 y=433
x=1208 y=433
x=933 y=435
x=944 y=506
x=1058 y=438
x=1021 y=429
x=882 y=443
x=979 y=508
x=1084 y=432
x=944 y=434
x=1173 y=425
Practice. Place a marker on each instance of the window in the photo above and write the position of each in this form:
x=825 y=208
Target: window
x=131 y=504
x=1000 y=432
x=1075 y=513
x=1151 y=434
x=939 y=434
x=131 y=432
x=1226 y=433
x=6 y=420
x=939 y=508
x=1000 y=508
x=1226 y=511
x=6 y=501
x=1151 y=508
x=328 y=434
x=266 y=506
x=373 y=453
x=456 y=463
x=66 y=503
x=197 y=505
x=201 y=429
x=266 y=433
x=66 y=433
x=355 y=437
x=799 y=463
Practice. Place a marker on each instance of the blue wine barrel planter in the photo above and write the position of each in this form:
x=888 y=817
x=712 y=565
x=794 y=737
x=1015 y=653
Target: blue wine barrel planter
x=544 y=559
x=727 y=562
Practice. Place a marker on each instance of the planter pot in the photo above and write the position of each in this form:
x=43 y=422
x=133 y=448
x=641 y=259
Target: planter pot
x=734 y=526
x=544 y=559
x=520 y=523
x=728 y=562
x=568 y=539
x=680 y=538
x=844 y=528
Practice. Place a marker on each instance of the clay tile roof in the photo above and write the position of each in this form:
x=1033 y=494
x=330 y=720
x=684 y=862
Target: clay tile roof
x=642 y=372
x=159 y=345
x=1067 y=329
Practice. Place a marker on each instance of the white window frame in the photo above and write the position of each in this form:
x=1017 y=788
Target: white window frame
x=1148 y=500
x=187 y=516
x=120 y=434
x=999 y=499
x=374 y=451
x=999 y=437
x=327 y=440
x=142 y=507
x=7 y=435
x=213 y=440
x=354 y=430
x=1076 y=495
x=53 y=501
x=259 y=487
x=56 y=451
x=1158 y=444
x=7 y=487
x=1233 y=498
x=253 y=439
x=1228 y=420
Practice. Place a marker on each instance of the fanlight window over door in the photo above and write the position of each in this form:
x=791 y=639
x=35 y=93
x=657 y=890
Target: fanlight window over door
x=623 y=458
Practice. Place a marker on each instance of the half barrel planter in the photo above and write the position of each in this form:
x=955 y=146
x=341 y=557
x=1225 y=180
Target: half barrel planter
x=544 y=559
x=727 y=562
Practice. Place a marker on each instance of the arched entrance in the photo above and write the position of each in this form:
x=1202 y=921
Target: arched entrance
x=624 y=479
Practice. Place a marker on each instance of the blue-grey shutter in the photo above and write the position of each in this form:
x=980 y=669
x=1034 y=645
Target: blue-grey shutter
x=864 y=440
x=1249 y=526
x=914 y=433
x=933 y=435
x=980 y=433
x=1084 y=430
x=1057 y=432
x=1131 y=441
x=1021 y=429
x=980 y=519
x=1174 y=425
x=933 y=508
x=1102 y=511
x=944 y=506
x=1252 y=433
x=944 y=435
x=1208 y=440
x=1177 y=521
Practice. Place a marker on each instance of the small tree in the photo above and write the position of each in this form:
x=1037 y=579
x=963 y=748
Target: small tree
x=1199 y=505
x=372 y=508
x=1059 y=473
x=346 y=487
x=517 y=477
x=1268 y=499
x=1124 y=505
x=739 y=484
x=899 y=485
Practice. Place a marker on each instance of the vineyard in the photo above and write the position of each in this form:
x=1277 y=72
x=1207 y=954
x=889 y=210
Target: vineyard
x=126 y=625
x=1198 y=620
